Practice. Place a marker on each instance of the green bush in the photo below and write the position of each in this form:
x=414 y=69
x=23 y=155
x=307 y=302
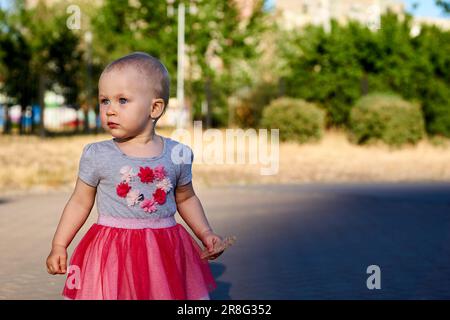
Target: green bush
x=337 y=68
x=436 y=107
x=296 y=119
x=386 y=117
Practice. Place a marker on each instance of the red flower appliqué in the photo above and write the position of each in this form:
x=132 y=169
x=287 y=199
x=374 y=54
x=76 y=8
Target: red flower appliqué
x=160 y=196
x=122 y=189
x=146 y=174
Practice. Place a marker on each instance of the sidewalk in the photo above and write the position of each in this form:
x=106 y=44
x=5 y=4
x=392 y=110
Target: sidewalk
x=293 y=242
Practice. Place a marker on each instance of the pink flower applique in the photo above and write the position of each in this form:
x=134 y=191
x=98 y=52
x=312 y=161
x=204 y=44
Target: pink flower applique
x=149 y=205
x=133 y=197
x=159 y=172
x=147 y=175
x=127 y=173
x=164 y=184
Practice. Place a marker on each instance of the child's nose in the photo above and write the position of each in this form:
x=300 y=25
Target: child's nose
x=111 y=109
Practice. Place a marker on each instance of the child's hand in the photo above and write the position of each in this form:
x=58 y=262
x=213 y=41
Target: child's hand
x=57 y=260
x=211 y=240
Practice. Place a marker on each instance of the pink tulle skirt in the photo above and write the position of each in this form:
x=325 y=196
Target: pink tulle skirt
x=140 y=263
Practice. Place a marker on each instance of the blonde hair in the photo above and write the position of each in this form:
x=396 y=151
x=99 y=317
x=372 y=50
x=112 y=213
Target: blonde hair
x=153 y=69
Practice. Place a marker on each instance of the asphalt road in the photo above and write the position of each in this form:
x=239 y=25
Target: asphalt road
x=293 y=241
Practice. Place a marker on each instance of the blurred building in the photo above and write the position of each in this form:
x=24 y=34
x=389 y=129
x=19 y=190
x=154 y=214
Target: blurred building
x=441 y=23
x=33 y=3
x=246 y=7
x=298 y=13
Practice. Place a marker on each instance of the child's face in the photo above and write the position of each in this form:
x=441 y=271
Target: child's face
x=125 y=98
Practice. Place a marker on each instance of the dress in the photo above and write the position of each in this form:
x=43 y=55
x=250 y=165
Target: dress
x=136 y=249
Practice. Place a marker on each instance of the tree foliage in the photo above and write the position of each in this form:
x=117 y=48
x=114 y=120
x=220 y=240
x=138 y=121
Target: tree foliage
x=217 y=41
x=337 y=68
x=444 y=4
x=38 y=52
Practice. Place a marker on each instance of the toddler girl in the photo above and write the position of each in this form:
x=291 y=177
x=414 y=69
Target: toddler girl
x=136 y=250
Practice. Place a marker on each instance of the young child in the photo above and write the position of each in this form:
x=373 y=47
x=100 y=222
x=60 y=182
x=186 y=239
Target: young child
x=136 y=250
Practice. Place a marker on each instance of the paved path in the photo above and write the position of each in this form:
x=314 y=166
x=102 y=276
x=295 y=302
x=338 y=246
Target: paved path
x=294 y=242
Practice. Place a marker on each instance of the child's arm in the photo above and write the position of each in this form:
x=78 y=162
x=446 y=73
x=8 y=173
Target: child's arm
x=73 y=217
x=190 y=209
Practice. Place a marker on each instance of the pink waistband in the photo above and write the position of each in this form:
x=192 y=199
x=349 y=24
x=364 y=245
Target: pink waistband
x=136 y=223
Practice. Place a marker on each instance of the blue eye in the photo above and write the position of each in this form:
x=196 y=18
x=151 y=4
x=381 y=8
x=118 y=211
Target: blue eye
x=104 y=101
x=123 y=100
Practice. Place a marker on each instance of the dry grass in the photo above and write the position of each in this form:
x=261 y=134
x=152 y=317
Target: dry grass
x=29 y=164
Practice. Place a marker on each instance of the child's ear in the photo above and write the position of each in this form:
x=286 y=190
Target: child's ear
x=157 y=108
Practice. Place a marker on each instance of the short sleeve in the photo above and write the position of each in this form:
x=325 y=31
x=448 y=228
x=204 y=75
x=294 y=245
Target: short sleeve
x=87 y=169
x=186 y=166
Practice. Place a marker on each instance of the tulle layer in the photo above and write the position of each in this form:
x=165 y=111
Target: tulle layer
x=121 y=264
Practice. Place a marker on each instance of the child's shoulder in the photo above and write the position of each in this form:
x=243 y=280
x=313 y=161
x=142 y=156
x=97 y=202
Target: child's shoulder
x=175 y=143
x=98 y=147
x=179 y=152
x=97 y=144
x=177 y=146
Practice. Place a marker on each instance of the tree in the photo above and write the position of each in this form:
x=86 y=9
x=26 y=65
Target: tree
x=445 y=5
x=222 y=41
x=336 y=68
x=39 y=52
x=215 y=33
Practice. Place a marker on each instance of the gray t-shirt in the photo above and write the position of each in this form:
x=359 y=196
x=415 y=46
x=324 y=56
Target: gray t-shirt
x=136 y=187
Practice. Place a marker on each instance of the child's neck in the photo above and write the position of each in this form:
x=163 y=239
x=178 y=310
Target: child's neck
x=149 y=148
x=139 y=140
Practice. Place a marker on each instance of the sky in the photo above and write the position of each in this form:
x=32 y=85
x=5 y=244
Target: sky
x=425 y=8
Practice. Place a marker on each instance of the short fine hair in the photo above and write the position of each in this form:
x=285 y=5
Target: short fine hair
x=151 y=68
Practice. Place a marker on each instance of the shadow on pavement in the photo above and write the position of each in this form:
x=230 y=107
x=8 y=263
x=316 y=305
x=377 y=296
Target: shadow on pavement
x=222 y=291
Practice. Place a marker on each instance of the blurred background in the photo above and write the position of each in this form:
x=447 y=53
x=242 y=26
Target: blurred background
x=367 y=81
x=359 y=89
